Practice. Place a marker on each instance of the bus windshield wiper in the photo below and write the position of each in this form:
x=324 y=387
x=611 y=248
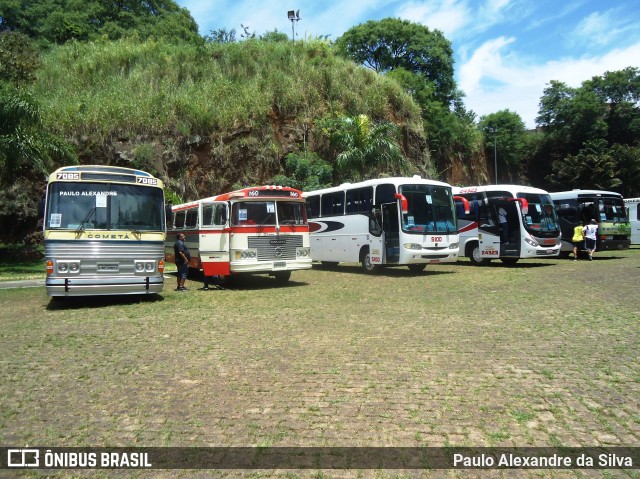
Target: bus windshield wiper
x=81 y=228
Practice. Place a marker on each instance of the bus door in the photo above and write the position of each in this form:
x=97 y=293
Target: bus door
x=391 y=232
x=508 y=222
x=214 y=239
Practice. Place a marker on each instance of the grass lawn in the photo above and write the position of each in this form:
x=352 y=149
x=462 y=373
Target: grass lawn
x=541 y=354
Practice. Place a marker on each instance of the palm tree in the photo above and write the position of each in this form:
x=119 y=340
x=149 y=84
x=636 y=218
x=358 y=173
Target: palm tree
x=25 y=147
x=363 y=148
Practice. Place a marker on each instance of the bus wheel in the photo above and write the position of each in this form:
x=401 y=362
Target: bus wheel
x=282 y=276
x=367 y=265
x=509 y=261
x=416 y=268
x=474 y=256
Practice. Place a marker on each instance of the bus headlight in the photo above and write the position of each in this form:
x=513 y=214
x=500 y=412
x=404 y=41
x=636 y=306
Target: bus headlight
x=303 y=252
x=62 y=267
x=74 y=267
x=412 y=246
x=454 y=246
x=68 y=266
x=145 y=266
x=246 y=254
x=531 y=242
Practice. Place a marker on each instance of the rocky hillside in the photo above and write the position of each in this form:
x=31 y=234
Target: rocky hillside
x=208 y=119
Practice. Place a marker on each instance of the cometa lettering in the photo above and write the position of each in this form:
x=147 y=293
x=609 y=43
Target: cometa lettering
x=108 y=236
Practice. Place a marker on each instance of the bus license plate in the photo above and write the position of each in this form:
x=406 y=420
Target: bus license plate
x=279 y=264
x=108 y=268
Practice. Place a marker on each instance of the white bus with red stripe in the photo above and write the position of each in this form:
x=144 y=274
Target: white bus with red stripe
x=386 y=221
x=532 y=229
x=261 y=229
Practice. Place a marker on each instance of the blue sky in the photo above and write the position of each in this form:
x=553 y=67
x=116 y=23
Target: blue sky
x=505 y=51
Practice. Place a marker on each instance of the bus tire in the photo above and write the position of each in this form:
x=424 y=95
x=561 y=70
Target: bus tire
x=417 y=267
x=509 y=261
x=367 y=266
x=473 y=253
x=282 y=276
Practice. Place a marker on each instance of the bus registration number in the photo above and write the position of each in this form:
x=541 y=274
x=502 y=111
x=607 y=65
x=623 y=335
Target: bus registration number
x=279 y=264
x=108 y=268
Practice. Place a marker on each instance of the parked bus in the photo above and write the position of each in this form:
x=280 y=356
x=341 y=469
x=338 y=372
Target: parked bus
x=529 y=228
x=633 y=213
x=104 y=232
x=261 y=229
x=606 y=207
x=388 y=221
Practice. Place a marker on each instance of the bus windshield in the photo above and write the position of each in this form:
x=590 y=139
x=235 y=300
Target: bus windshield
x=93 y=206
x=541 y=217
x=264 y=213
x=430 y=209
x=612 y=209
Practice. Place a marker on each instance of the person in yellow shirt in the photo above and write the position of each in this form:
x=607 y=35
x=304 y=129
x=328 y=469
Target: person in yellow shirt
x=578 y=238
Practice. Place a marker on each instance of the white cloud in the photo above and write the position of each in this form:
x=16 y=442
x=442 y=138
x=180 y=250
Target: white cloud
x=494 y=81
x=448 y=16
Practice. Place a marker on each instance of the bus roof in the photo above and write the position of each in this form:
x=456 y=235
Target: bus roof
x=397 y=181
x=567 y=195
x=513 y=189
x=103 y=169
x=104 y=173
x=250 y=193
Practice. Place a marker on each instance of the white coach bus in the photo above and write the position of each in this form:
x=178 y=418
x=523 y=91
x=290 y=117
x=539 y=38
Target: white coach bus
x=387 y=221
x=529 y=226
x=260 y=229
x=633 y=213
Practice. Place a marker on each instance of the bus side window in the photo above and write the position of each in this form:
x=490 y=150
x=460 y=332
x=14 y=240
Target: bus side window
x=207 y=215
x=219 y=215
x=385 y=194
x=192 y=218
x=333 y=204
x=313 y=206
x=178 y=221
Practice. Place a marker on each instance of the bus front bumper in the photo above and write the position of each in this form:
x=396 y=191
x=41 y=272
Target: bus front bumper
x=100 y=286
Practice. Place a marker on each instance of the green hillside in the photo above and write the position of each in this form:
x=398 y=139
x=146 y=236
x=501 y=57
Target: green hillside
x=211 y=117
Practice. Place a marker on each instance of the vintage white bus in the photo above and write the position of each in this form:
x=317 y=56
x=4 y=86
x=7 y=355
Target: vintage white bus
x=606 y=207
x=386 y=221
x=261 y=229
x=104 y=232
x=529 y=228
x=633 y=213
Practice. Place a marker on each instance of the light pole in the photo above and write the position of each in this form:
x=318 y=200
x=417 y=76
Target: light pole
x=294 y=16
x=493 y=130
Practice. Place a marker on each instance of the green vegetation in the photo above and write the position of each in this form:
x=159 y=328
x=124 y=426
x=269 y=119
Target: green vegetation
x=137 y=86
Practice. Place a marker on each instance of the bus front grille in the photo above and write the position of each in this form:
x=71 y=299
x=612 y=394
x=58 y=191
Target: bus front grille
x=274 y=248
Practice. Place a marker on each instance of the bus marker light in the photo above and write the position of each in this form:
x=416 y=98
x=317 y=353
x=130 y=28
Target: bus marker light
x=49 y=266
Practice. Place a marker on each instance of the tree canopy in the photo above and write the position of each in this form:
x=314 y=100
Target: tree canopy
x=392 y=43
x=58 y=21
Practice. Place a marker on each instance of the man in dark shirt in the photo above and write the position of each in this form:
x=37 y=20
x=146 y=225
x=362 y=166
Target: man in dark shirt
x=182 y=257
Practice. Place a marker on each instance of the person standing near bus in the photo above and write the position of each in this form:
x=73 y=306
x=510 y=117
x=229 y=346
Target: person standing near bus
x=182 y=257
x=578 y=240
x=502 y=223
x=590 y=232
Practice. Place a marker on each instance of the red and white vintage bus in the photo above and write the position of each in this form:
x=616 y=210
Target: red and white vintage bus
x=261 y=229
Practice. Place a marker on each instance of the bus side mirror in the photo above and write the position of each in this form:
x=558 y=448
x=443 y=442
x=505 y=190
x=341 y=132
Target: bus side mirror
x=404 y=204
x=524 y=204
x=465 y=203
